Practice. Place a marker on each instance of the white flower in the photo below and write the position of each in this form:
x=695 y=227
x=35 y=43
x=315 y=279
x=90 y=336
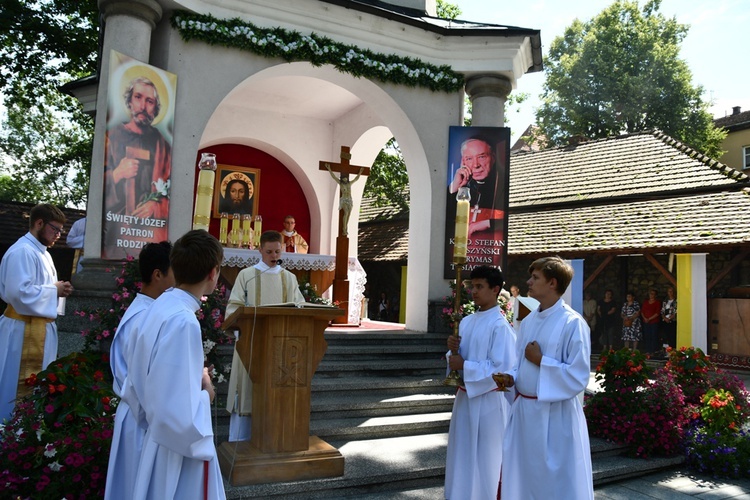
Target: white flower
x=220 y=378
x=162 y=188
x=39 y=433
x=208 y=344
x=55 y=466
x=50 y=451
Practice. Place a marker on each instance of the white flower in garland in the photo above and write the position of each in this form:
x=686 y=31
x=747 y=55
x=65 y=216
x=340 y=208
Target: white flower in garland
x=295 y=46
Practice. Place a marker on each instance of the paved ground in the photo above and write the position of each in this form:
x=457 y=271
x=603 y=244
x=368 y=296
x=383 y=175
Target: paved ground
x=675 y=485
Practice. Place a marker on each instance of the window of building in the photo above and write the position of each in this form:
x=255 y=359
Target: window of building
x=746 y=157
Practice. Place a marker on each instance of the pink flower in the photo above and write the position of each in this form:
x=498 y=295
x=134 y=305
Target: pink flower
x=49 y=409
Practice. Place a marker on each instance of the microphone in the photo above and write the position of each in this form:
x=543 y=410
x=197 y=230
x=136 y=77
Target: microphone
x=278 y=262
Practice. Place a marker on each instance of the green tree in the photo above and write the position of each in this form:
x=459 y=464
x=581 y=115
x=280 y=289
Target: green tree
x=447 y=10
x=45 y=139
x=621 y=73
x=388 y=179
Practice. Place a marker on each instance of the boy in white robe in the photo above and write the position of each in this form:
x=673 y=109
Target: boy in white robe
x=546 y=451
x=174 y=390
x=29 y=285
x=486 y=345
x=264 y=283
x=127 y=437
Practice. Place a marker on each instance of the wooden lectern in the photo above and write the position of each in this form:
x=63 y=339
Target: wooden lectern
x=281 y=348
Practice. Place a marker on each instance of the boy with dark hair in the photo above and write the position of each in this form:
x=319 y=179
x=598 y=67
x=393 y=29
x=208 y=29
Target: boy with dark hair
x=127 y=438
x=171 y=384
x=264 y=283
x=29 y=285
x=486 y=345
x=546 y=450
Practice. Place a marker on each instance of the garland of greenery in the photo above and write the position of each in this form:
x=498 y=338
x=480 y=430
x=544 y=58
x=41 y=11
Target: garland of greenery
x=317 y=50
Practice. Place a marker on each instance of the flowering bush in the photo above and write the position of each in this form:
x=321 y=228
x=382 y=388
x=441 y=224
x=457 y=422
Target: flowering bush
x=211 y=316
x=650 y=418
x=310 y=293
x=56 y=445
x=721 y=379
x=719 y=412
x=690 y=366
x=467 y=306
x=104 y=321
x=623 y=370
x=718 y=454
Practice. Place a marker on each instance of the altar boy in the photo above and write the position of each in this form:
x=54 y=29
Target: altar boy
x=264 y=283
x=480 y=412
x=546 y=450
x=166 y=369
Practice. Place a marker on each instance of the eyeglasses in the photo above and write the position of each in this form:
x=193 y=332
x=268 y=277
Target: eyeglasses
x=58 y=230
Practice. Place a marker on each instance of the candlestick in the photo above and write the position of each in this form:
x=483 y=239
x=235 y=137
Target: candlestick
x=247 y=235
x=234 y=236
x=204 y=191
x=461 y=237
x=223 y=228
x=257 y=230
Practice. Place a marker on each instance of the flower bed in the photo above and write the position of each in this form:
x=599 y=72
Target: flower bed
x=685 y=407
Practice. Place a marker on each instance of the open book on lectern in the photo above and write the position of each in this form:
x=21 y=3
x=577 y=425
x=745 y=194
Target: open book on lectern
x=300 y=305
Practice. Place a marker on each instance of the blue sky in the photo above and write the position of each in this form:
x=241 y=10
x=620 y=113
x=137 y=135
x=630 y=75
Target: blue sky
x=715 y=48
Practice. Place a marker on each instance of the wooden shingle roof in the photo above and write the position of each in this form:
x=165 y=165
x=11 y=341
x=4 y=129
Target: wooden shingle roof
x=686 y=223
x=627 y=165
x=14 y=222
x=626 y=194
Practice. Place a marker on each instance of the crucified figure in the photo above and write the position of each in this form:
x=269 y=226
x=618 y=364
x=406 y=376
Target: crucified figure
x=345 y=200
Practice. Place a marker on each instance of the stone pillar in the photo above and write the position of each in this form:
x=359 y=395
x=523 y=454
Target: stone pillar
x=487 y=94
x=127 y=27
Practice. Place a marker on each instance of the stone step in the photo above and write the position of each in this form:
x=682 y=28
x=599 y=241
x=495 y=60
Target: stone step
x=378 y=402
x=366 y=352
x=394 y=425
x=381 y=367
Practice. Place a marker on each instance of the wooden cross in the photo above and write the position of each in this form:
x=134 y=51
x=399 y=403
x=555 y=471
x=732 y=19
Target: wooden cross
x=340 y=280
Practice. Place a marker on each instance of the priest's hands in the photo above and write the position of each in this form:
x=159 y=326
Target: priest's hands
x=533 y=353
x=207 y=385
x=64 y=288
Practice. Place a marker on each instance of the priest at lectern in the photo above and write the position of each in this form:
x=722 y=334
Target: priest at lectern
x=263 y=284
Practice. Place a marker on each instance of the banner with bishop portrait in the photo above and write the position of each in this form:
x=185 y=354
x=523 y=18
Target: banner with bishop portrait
x=479 y=159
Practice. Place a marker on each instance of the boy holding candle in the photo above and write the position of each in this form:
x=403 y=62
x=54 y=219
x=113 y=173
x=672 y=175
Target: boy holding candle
x=485 y=346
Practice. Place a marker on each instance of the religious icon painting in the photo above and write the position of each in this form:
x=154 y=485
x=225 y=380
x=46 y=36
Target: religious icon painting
x=138 y=156
x=479 y=160
x=236 y=191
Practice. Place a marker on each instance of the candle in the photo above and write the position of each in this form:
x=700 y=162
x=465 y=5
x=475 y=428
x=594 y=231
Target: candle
x=246 y=231
x=224 y=228
x=204 y=191
x=257 y=230
x=461 y=237
x=235 y=235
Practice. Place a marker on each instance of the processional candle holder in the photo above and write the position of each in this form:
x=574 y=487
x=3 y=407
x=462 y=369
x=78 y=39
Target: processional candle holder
x=460 y=246
x=204 y=191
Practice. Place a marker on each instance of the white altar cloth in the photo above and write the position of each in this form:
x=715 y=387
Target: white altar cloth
x=239 y=257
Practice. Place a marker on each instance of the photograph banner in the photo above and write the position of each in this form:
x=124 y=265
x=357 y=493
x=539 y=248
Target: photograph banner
x=138 y=156
x=478 y=159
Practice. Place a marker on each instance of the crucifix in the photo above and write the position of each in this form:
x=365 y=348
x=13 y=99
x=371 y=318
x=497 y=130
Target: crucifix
x=341 y=281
